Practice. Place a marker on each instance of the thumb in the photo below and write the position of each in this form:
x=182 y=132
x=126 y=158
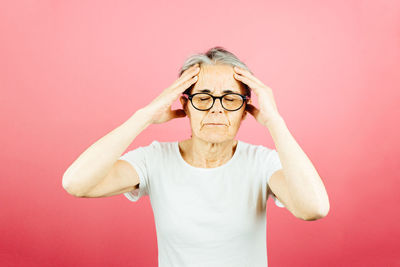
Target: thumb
x=252 y=110
x=178 y=113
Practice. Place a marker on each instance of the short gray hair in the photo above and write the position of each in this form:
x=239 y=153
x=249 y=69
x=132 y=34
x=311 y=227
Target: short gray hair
x=214 y=56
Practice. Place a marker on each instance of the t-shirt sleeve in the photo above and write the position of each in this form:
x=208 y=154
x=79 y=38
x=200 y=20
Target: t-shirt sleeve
x=138 y=158
x=274 y=164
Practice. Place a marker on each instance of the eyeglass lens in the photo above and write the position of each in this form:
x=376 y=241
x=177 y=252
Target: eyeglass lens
x=229 y=101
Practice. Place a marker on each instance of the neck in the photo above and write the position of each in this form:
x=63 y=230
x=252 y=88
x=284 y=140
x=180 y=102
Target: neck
x=202 y=154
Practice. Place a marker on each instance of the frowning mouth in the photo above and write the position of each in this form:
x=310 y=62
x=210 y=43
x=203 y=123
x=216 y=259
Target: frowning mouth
x=215 y=124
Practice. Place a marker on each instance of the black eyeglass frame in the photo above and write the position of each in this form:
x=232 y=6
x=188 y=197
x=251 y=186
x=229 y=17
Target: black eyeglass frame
x=244 y=97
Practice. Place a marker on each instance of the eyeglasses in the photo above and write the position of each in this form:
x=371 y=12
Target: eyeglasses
x=230 y=102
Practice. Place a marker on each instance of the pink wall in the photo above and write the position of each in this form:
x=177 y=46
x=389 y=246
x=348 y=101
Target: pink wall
x=71 y=71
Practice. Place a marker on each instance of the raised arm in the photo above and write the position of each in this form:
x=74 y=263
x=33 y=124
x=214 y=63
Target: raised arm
x=97 y=171
x=99 y=161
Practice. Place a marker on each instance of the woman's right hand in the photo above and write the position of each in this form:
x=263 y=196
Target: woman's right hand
x=159 y=110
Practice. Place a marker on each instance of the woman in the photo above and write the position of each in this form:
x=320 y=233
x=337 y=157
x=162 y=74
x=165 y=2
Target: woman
x=209 y=192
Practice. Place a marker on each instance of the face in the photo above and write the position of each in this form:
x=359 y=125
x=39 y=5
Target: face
x=216 y=78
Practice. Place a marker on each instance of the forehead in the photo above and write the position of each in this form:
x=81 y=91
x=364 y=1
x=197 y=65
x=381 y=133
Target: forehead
x=217 y=79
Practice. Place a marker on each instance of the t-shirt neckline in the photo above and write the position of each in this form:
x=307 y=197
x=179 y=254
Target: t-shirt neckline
x=238 y=146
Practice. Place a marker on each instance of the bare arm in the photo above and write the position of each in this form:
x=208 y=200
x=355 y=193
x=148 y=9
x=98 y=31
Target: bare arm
x=98 y=172
x=96 y=162
x=298 y=185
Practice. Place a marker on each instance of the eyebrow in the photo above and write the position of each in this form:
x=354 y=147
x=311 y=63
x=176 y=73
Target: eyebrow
x=208 y=91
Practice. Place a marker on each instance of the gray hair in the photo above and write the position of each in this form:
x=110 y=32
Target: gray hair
x=214 y=56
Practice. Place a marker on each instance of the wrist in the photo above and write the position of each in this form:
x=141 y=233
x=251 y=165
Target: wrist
x=274 y=120
x=143 y=116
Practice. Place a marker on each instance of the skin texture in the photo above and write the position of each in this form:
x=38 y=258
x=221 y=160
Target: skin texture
x=212 y=146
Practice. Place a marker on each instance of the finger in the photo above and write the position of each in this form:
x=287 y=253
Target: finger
x=189 y=75
x=187 y=84
x=246 y=73
x=190 y=71
x=252 y=110
x=253 y=85
x=180 y=88
x=182 y=84
x=178 y=113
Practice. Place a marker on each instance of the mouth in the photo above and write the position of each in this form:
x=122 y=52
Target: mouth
x=215 y=124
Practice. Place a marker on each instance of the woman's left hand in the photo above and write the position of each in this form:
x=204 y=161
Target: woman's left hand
x=268 y=110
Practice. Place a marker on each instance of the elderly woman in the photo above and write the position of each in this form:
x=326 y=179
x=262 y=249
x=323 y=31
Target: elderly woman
x=209 y=192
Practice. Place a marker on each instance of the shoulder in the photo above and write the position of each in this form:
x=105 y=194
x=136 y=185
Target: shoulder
x=151 y=152
x=255 y=149
x=160 y=148
x=260 y=156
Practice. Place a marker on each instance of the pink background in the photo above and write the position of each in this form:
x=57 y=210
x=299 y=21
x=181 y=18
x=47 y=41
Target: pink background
x=72 y=71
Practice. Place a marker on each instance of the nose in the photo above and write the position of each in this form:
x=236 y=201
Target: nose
x=217 y=107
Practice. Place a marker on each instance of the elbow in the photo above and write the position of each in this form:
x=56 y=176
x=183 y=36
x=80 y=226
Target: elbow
x=314 y=217
x=317 y=215
x=324 y=210
x=322 y=213
x=70 y=188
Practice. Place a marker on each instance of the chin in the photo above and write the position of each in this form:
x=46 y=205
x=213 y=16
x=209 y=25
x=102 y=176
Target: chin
x=215 y=137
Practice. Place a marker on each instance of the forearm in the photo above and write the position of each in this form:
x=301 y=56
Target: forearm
x=97 y=160
x=303 y=182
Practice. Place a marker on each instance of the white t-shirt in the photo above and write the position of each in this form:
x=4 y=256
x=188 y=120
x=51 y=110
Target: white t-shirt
x=206 y=216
